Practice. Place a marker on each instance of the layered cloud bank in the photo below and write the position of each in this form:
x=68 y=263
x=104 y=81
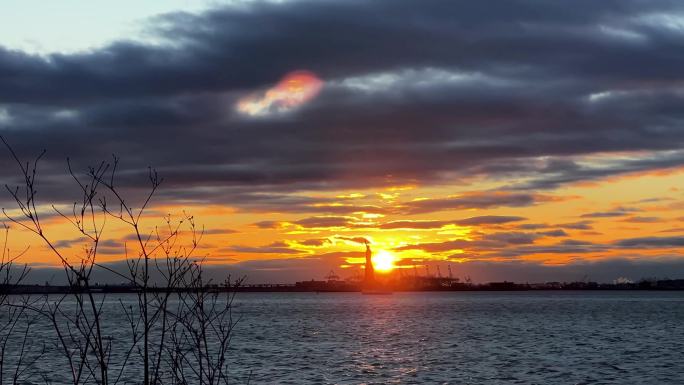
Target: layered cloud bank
x=507 y=131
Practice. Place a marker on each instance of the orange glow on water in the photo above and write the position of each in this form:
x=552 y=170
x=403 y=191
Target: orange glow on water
x=292 y=91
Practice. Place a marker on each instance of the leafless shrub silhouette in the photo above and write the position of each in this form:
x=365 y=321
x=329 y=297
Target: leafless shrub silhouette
x=180 y=326
x=15 y=323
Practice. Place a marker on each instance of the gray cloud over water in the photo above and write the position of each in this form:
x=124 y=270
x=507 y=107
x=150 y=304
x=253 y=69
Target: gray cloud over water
x=423 y=92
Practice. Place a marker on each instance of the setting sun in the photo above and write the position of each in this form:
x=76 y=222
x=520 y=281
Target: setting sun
x=383 y=261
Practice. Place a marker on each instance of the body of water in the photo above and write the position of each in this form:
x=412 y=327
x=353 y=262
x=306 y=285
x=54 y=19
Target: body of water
x=431 y=338
x=461 y=338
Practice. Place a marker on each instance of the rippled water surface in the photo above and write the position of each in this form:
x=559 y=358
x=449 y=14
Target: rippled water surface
x=461 y=338
x=442 y=338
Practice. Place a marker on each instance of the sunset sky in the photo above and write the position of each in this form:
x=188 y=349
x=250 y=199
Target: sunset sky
x=519 y=139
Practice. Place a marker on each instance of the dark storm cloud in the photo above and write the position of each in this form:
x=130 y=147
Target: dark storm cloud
x=217 y=50
x=550 y=178
x=318 y=222
x=479 y=200
x=219 y=231
x=605 y=214
x=554 y=233
x=273 y=248
x=513 y=238
x=70 y=242
x=581 y=225
x=489 y=220
x=418 y=225
x=315 y=242
x=640 y=219
x=565 y=247
x=524 y=90
x=430 y=224
x=508 y=244
x=674 y=230
x=109 y=244
x=514 y=245
x=651 y=242
x=268 y=224
x=438 y=247
x=533 y=226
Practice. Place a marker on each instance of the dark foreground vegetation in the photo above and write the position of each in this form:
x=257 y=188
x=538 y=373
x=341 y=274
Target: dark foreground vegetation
x=175 y=335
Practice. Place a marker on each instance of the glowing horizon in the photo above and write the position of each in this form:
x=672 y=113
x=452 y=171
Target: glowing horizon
x=289 y=141
x=404 y=241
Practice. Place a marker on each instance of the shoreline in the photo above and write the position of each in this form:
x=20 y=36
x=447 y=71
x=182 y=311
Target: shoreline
x=343 y=287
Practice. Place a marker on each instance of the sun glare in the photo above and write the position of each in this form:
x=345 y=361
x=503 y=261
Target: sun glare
x=383 y=261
